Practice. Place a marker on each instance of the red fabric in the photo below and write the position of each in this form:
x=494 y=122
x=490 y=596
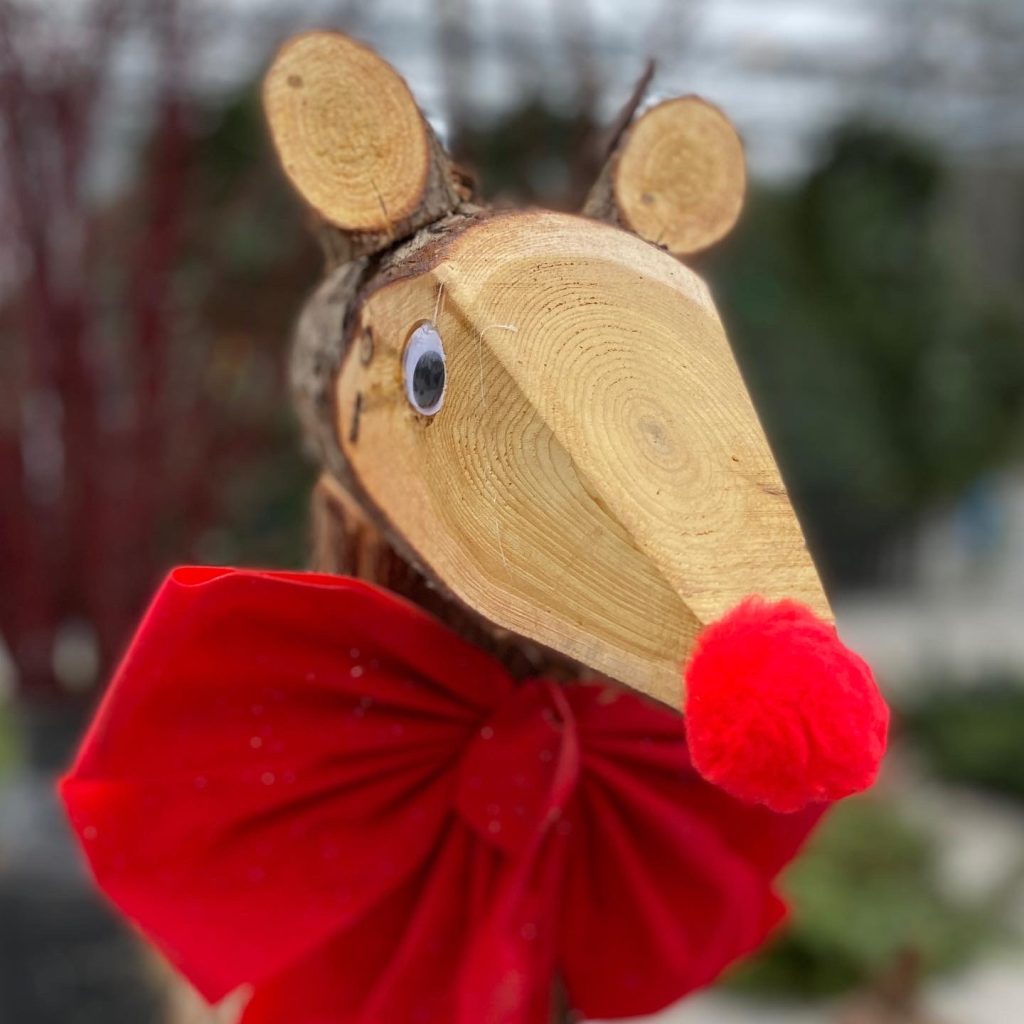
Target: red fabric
x=779 y=712
x=304 y=784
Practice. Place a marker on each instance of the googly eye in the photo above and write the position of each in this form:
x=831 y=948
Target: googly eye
x=423 y=367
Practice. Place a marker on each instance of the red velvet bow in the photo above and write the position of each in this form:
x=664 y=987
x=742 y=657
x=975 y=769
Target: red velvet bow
x=303 y=783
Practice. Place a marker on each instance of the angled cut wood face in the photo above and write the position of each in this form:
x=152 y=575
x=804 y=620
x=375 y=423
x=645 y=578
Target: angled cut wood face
x=597 y=479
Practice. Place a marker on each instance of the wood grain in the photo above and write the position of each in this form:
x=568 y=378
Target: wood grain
x=348 y=541
x=677 y=177
x=597 y=480
x=354 y=144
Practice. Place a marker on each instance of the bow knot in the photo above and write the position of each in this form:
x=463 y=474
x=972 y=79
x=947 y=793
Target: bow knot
x=510 y=797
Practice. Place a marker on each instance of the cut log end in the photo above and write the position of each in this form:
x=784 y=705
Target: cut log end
x=353 y=142
x=678 y=178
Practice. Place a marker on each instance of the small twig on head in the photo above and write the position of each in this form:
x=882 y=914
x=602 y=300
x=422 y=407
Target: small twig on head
x=629 y=109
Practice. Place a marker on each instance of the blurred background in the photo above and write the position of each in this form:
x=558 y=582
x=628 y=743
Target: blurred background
x=152 y=263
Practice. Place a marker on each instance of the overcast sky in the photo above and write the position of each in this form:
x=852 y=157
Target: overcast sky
x=784 y=70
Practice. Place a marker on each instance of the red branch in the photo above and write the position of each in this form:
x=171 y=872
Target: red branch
x=88 y=467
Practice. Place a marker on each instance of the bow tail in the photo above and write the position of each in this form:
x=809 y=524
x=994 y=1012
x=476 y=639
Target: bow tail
x=509 y=974
x=530 y=756
x=659 y=912
x=659 y=897
x=368 y=973
x=431 y=952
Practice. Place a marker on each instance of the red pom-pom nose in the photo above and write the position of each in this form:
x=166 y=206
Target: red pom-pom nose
x=779 y=711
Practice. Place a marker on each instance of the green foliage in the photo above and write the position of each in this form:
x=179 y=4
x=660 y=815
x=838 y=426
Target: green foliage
x=974 y=737
x=533 y=154
x=887 y=381
x=10 y=748
x=267 y=510
x=250 y=262
x=864 y=891
x=253 y=223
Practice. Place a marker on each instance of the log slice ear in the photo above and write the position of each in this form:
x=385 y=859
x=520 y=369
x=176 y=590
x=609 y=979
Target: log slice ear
x=677 y=178
x=352 y=141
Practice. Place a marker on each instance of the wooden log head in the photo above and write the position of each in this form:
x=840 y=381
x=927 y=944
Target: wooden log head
x=540 y=411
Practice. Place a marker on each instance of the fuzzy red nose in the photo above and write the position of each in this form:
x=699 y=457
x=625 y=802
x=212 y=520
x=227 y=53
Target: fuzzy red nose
x=779 y=712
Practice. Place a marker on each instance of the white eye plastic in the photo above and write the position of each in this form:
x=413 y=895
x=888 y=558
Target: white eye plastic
x=423 y=368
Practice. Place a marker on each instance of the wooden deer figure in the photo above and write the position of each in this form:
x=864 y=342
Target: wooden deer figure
x=445 y=778
x=532 y=421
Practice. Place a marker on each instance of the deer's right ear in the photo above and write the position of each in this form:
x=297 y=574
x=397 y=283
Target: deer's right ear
x=353 y=143
x=676 y=178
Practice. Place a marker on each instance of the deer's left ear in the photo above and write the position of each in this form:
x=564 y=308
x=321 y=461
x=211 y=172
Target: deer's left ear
x=354 y=144
x=676 y=178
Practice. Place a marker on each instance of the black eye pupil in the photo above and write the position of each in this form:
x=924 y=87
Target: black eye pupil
x=428 y=379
